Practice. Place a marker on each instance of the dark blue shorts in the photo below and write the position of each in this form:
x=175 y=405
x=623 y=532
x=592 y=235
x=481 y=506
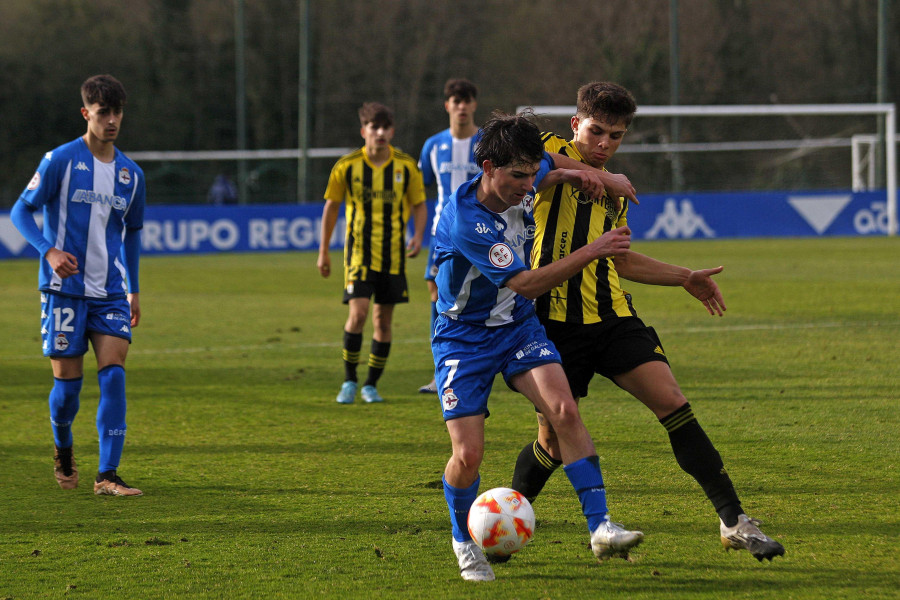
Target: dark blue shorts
x=65 y=322
x=468 y=357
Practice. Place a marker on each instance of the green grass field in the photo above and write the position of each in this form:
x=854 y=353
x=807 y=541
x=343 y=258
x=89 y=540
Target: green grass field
x=258 y=485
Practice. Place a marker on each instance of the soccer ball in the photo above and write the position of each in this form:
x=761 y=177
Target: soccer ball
x=501 y=521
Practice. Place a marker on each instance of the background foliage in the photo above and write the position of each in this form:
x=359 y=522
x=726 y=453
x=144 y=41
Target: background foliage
x=177 y=60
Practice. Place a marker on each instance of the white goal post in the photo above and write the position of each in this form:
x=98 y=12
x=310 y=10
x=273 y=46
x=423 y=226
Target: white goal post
x=739 y=110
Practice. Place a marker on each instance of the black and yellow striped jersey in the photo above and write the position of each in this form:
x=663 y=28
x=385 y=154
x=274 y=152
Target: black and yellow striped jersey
x=565 y=221
x=378 y=205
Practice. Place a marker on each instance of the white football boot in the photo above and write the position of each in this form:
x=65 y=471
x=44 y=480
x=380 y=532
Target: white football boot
x=747 y=536
x=473 y=566
x=611 y=539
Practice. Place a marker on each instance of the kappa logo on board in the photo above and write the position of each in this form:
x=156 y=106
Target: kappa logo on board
x=679 y=220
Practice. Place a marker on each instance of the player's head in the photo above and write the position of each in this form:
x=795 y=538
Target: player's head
x=508 y=140
x=603 y=113
x=510 y=152
x=460 y=88
x=460 y=102
x=377 y=126
x=376 y=114
x=104 y=98
x=105 y=90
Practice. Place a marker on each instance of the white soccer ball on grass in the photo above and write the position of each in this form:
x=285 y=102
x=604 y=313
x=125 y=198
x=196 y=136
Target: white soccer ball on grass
x=501 y=521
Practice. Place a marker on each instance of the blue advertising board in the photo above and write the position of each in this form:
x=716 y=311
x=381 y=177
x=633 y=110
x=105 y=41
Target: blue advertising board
x=284 y=227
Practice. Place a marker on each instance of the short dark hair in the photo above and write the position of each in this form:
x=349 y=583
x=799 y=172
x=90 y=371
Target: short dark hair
x=105 y=90
x=460 y=88
x=376 y=113
x=606 y=101
x=510 y=140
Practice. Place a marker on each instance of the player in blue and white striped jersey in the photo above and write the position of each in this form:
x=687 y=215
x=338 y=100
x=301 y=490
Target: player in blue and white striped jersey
x=448 y=160
x=92 y=197
x=488 y=325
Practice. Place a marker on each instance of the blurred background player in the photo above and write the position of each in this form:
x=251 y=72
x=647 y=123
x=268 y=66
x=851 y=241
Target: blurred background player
x=92 y=198
x=382 y=187
x=448 y=160
x=591 y=319
x=487 y=325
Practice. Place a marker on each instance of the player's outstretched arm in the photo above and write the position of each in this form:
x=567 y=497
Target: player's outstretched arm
x=532 y=284
x=641 y=268
x=701 y=286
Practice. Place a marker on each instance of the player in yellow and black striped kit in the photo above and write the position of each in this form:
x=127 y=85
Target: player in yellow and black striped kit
x=382 y=187
x=593 y=324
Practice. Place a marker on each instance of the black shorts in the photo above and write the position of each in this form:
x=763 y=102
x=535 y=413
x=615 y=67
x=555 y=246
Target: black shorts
x=609 y=348
x=387 y=288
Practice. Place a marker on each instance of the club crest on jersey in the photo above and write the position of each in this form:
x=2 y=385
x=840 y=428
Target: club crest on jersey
x=449 y=399
x=124 y=176
x=61 y=342
x=501 y=256
x=35 y=182
x=398 y=176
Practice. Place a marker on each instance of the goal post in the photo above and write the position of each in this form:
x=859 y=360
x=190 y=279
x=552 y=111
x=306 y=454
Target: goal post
x=888 y=111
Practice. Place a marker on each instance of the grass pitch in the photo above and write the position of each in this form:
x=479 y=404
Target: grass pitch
x=257 y=484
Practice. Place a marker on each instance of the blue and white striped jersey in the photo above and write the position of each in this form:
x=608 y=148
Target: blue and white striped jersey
x=477 y=251
x=449 y=162
x=87 y=206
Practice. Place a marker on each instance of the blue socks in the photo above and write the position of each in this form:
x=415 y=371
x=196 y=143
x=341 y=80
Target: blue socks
x=459 y=501
x=64 y=403
x=587 y=480
x=111 y=416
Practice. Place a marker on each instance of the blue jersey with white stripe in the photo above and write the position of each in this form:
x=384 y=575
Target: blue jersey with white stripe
x=87 y=206
x=449 y=162
x=477 y=251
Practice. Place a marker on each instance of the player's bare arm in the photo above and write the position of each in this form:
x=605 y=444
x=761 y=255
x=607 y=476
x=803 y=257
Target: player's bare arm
x=420 y=216
x=587 y=181
x=329 y=219
x=62 y=263
x=532 y=284
x=135 y=302
x=616 y=184
x=701 y=286
x=641 y=268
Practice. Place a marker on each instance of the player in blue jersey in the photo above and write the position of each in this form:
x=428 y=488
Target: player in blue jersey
x=487 y=325
x=448 y=160
x=92 y=198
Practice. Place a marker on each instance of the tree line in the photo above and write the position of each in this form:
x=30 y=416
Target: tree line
x=177 y=61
